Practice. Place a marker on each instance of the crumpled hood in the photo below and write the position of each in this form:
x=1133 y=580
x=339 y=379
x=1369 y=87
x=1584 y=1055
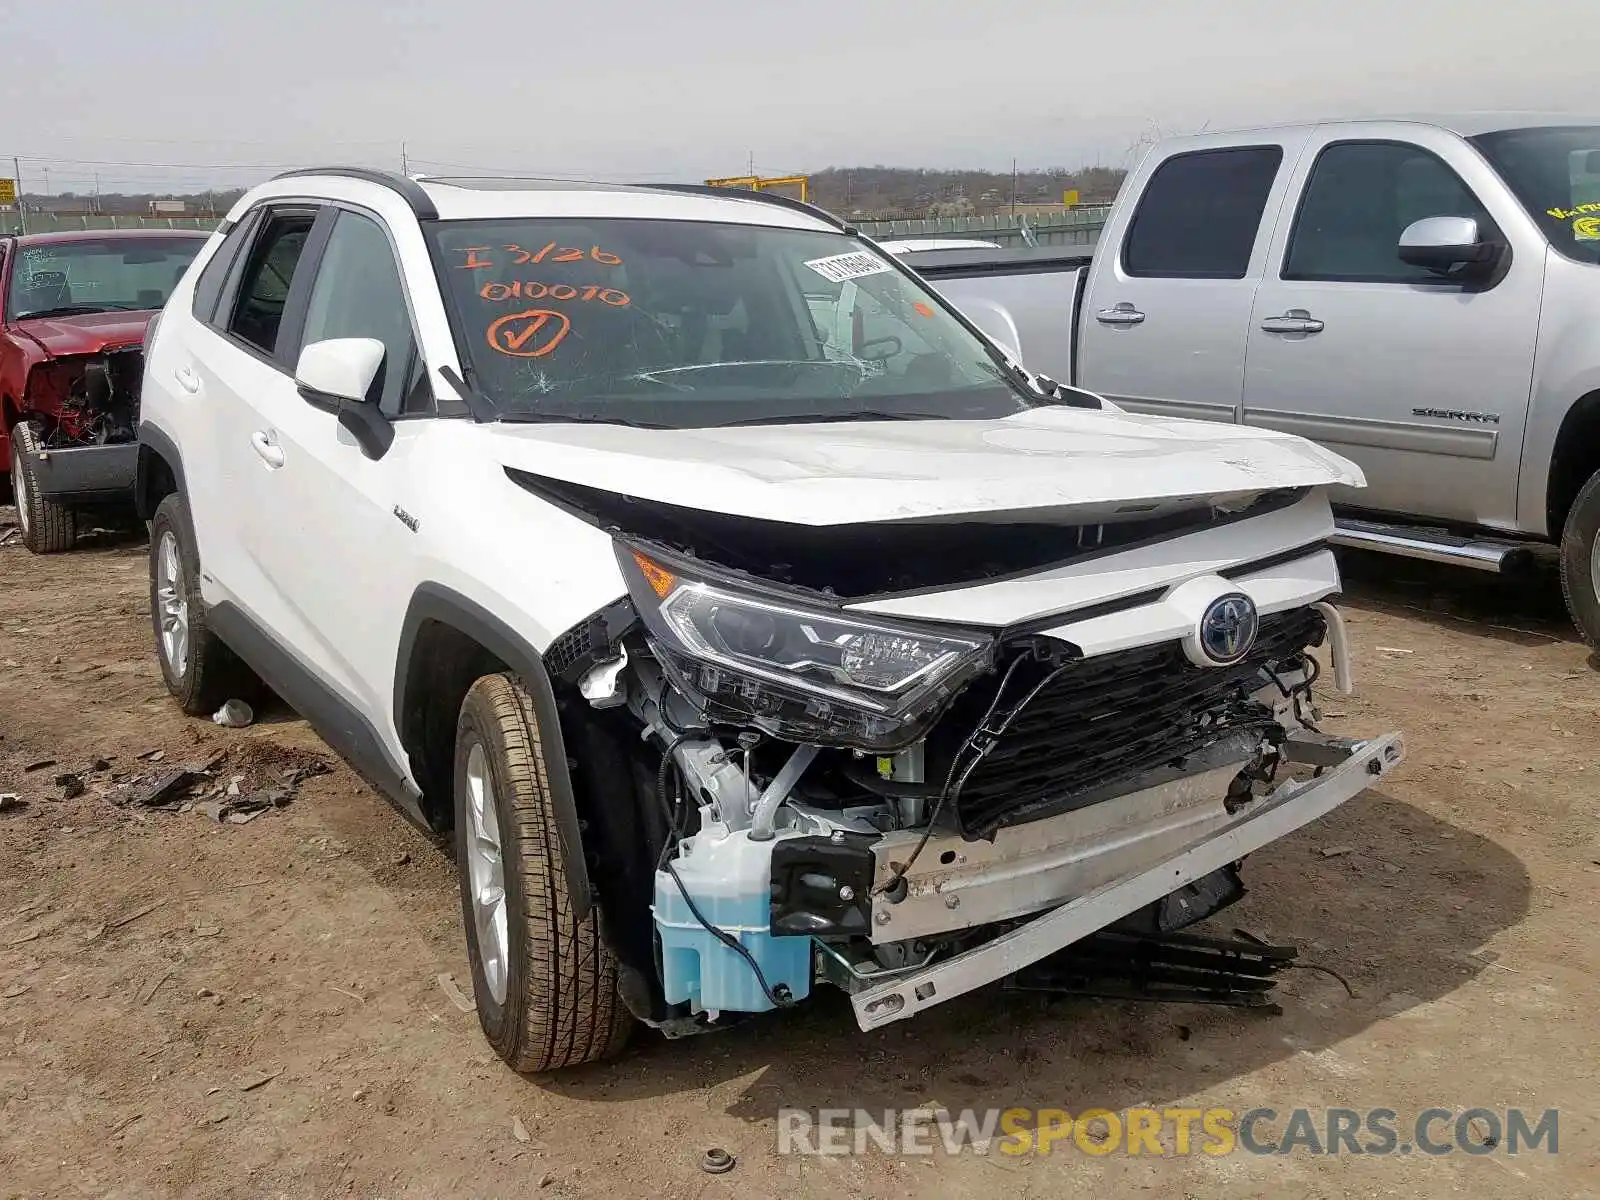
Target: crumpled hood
x=1044 y=462
x=87 y=333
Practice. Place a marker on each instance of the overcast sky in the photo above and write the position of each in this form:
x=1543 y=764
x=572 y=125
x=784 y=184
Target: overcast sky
x=150 y=95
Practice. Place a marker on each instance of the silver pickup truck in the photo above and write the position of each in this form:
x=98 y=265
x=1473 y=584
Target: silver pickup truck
x=1420 y=295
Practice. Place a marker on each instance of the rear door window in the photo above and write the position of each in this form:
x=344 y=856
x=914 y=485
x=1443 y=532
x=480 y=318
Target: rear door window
x=263 y=291
x=1200 y=213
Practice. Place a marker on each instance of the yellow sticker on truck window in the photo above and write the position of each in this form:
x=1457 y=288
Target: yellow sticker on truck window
x=1586 y=229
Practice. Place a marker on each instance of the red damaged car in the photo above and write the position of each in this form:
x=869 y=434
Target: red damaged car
x=73 y=312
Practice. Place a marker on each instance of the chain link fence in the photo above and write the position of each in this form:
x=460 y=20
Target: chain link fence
x=37 y=222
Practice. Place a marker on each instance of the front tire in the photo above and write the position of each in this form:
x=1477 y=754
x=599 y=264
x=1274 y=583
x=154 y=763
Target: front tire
x=544 y=980
x=47 y=527
x=200 y=672
x=1580 y=561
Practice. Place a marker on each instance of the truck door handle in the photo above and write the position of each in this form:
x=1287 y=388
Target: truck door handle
x=1296 y=320
x=1119 y=314
x=266 y=449
x=187 y=380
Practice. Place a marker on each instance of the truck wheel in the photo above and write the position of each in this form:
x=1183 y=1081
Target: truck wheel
x=546 y=985
x=47 y=527
x=1580 y=561
x=201 y=673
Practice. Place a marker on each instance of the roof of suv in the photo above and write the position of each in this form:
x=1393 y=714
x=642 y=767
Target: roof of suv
x=454 y=198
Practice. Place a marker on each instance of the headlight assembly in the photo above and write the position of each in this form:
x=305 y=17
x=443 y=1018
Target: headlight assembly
x=803 y=672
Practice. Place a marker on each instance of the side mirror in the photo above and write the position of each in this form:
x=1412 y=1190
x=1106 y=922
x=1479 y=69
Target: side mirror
x=338 y=369
x=1447 y=246
x=336 y=374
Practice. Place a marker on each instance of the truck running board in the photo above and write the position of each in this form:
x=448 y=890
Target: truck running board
x=1434 y=545
x=1177 y=969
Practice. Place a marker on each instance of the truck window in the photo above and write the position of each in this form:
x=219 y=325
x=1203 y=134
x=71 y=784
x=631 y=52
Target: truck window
x=1555 y=173
x=1360 y=198
x=1200 y=212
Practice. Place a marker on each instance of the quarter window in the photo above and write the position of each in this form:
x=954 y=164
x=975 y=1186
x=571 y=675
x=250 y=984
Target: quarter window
x=1359 y=200
x=1200 y=212
x=214 y=275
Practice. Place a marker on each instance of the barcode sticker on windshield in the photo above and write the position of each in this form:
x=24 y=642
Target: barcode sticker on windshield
x=848 y=266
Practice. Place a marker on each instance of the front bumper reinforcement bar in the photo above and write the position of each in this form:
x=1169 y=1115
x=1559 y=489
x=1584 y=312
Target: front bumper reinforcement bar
x=1280 y=813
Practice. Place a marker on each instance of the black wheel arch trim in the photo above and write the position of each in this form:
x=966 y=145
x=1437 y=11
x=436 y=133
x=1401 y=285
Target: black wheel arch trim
x=436 y=602
x=154 y=440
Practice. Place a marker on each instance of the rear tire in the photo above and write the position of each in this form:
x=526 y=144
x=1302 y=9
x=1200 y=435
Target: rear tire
x=200 y=672
x=47 y=527
x=544 y=980
x=1580 y=561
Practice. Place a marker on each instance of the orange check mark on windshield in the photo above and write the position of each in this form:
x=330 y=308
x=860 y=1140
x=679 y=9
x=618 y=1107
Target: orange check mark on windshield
x=530 y=334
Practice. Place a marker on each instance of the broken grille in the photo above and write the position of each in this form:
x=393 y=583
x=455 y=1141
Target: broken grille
x=1109 y=719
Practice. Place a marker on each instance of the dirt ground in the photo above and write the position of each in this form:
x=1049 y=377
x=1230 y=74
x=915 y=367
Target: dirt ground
x=202 y=1009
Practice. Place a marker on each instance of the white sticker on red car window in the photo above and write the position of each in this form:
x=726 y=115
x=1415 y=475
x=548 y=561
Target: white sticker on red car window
x=841 y=267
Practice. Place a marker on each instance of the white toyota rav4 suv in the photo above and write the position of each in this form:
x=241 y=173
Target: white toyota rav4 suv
x=749 y=618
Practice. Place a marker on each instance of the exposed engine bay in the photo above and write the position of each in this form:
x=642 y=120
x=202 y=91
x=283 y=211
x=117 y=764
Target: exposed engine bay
x=826 y=795
x=90 y=399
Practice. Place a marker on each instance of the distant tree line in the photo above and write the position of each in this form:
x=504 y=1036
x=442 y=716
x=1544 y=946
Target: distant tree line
x=916 y=192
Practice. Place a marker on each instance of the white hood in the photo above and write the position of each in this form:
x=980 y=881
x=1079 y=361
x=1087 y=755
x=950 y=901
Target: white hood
x=1042 y=463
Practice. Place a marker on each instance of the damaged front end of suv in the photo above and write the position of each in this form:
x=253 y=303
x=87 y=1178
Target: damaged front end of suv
x=910 y=760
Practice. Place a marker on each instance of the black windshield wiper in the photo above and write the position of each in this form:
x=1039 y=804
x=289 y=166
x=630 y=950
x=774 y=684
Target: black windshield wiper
x=74 y=310
x=560 y=418
x=828 y=418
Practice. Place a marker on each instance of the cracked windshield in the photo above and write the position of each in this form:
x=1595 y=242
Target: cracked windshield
x=679 y=325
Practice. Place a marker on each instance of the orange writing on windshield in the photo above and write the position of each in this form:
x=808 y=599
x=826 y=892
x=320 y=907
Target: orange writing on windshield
x=520 y=256
x=530 y=334
x=532 y=289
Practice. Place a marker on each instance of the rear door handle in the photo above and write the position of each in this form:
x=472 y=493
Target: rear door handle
x=266 y=449
x=1119 y=314
x=1296 y=320
x=187 y=380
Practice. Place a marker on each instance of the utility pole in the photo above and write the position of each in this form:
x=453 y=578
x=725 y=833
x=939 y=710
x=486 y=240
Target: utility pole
x=47 y=182
x=22 y=209
x=405 y=168
x=1013 y=187
x=752 y=164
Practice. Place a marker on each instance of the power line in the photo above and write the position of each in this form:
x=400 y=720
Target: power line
x=175 y=166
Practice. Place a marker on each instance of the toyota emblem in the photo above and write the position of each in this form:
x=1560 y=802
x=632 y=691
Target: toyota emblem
x=1228 y=628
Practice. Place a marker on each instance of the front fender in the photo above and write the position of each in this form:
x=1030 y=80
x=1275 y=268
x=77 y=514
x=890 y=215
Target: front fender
x=436 y=602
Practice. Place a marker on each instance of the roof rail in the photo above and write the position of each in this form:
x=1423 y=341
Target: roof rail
x=407 y=189
x=701 y=189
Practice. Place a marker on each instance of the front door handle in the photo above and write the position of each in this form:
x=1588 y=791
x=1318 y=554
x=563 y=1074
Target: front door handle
x=266 y=449
x=1119 y=314
x=1296 y=320
x=187 y=380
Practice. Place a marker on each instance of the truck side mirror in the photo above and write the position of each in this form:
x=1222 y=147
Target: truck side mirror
x=1448 y=246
